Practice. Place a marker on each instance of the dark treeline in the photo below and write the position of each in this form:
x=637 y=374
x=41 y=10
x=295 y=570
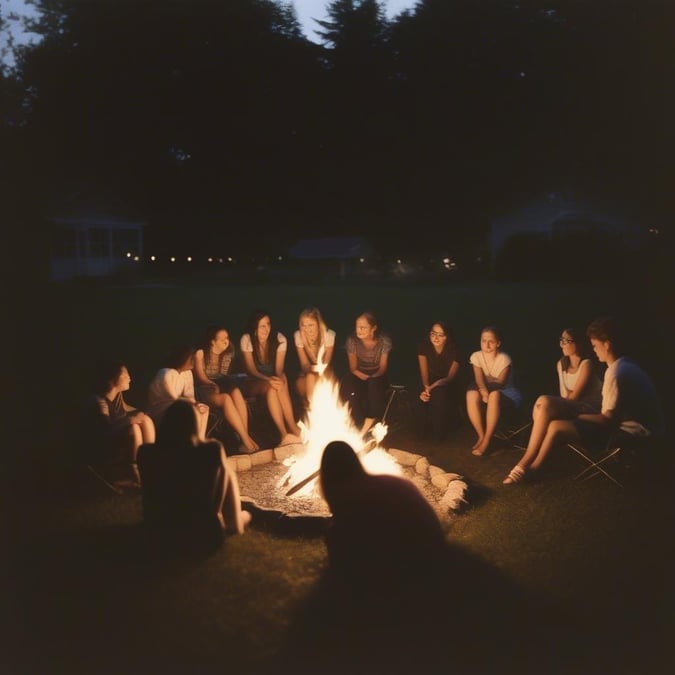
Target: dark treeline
x=219 y=122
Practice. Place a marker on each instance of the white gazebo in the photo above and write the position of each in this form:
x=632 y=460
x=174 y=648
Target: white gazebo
x=93 y=243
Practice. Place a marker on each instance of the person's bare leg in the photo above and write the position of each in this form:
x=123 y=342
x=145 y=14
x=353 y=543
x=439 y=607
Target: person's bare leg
x=203 y=423
x=544 y=410
x=287 y=410
x=559 y=431
x=474 y=411
x=231 y=414
x=148 y=429
x=242 y=410
x=276 y=413
x=235 y=518
x=491 y=419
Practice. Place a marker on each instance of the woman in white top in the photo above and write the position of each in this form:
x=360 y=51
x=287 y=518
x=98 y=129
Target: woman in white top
x=264 y=353
x=176 y=382
x=492 y=389
x=315 y=344
x=580 y=392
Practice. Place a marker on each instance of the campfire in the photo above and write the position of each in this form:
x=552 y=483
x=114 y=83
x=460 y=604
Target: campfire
x=285 y=479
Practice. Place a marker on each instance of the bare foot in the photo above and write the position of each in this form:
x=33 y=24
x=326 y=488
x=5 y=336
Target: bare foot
x=289 y=439
x=479 y=451
x=477 y=444
x=250 y=445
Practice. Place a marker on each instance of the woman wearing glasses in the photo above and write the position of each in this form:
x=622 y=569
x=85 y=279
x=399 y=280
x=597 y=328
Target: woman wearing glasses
x=438 y=360
x=580 y=392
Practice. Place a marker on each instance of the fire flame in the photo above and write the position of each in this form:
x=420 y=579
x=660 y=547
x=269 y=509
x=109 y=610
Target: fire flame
x=328 y=419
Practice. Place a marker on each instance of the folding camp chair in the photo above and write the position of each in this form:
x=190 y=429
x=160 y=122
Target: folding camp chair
x=512 y=428
x=622 y=451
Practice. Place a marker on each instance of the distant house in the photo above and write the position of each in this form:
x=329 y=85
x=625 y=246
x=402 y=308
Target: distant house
x=339 y=254
x=556 y=231
x=89 y=242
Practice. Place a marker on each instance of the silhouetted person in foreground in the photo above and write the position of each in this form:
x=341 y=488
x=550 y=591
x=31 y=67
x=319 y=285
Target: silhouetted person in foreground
x=190 y=497
x=382 y=528
x=398 y=598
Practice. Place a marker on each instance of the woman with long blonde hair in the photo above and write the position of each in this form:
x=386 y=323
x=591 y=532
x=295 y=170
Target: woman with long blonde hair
x=315 y=344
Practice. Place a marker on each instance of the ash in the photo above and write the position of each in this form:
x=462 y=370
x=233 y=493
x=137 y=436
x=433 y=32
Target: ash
x=259 y=485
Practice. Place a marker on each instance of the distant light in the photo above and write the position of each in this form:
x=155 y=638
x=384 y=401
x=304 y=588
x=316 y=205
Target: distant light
x=210 y=260
x=189 y=258
x=172 y=259
x=279 y=257
x=446 y=261
x=654 y=231
x=152 y=257
x=362 y=260
x=220 y=260
x=398 y=261
x=522 y=73
x=136 y=258
x=128 y=254
x=229 y=259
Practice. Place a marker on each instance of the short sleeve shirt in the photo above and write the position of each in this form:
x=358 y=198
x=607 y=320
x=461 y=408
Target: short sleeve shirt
x=368 y=359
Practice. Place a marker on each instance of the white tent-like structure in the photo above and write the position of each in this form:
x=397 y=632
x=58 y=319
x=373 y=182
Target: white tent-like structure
x=93 y=243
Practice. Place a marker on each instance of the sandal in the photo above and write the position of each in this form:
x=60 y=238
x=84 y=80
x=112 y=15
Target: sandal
x=515 y=475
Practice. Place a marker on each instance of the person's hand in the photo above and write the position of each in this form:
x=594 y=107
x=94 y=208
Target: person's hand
x=275 y=382
x=425 y=396
x=202 y=408
x=136 y=417
x=484 y=395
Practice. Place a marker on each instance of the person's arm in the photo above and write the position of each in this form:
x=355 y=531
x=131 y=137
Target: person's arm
x=481 y=382
x=354 y=366
x=503 y=376
x=561 y=384
x=383 y=365
x=424 y=370
x=200 y=369
x=327 y=355
x=583 y=378
x=280 y=358
x=452 y=371
x=250 y=367
x=305 y=365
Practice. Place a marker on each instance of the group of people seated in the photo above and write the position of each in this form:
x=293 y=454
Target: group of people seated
x=586 y=408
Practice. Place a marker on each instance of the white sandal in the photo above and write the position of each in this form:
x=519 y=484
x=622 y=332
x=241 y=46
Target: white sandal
x=515 y=475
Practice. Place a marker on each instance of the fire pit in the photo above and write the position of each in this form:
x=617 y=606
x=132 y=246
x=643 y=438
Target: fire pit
x=284 y=480
x=262 y=480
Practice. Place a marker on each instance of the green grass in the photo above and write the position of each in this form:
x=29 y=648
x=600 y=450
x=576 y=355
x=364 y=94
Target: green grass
x=546 y=567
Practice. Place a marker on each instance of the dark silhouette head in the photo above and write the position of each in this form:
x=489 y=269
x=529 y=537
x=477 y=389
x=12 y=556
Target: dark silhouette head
x=339 y=465
x=179 y=424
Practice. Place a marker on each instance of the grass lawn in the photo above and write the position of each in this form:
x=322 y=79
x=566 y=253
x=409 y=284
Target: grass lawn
x=556 y=576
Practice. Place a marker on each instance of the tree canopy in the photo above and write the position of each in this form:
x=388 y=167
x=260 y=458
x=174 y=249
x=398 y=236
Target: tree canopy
x=211 y=116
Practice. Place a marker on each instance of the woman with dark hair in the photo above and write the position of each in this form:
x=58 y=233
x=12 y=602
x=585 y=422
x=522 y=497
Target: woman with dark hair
x=189 y=493
x=173 y=382
x=438 y=361
x=365 y=385
x=264 y=352
x=217 y=387
x=382 y=528
x=580 y=392
x=120 y=428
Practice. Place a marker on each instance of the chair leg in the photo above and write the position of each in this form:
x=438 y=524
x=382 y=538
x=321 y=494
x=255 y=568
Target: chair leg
x=594 y=466
x=103 y=480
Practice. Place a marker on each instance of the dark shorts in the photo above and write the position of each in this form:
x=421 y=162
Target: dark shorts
x=592 y=434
